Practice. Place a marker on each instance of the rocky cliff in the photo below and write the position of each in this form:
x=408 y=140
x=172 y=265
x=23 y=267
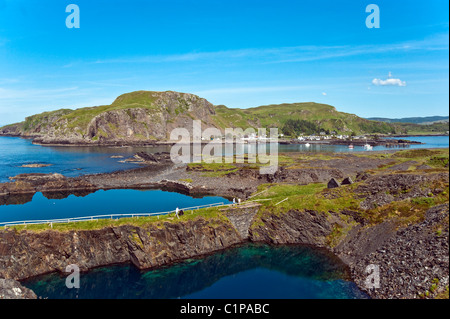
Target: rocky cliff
x=411 y=258
x=26 y=254
x=133 y=118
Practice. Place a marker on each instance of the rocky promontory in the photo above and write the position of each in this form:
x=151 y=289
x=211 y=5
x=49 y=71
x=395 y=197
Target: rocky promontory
x=26 y=254
x=408 y=269
x=392 y=212
x=137 y=118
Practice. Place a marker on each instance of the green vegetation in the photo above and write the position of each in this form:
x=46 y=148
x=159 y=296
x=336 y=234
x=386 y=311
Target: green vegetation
x=427 y=202
x=443 y=295
x=280 y=198
x=299 y=127
x=432 y=290
x=419 y=125
x=337 y=234
x=45 y=118
x=80 y=118
x=212 y=169
x=211 y=214
x=413 y=154
x=298 y=117
x=437 y=160
x=413 y=120
x=139 y=99
x=143 y=99
x=291 y=119
x=421 y=129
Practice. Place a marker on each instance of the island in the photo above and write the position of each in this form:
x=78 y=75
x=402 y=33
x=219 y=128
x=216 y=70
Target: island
x=149 y=117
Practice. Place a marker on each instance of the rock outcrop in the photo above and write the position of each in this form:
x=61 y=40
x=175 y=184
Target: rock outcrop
x=333 y=183
x=26 y=254
x=141 y=117
x=411 y=259
x=408 y=269
x=410 y=246
x=12 y=289
x=347 y=181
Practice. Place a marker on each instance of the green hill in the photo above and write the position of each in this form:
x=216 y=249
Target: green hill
x=414 y=120
x=144 y=116
x=324 y=117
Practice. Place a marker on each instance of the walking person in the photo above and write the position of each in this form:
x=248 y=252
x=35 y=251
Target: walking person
x=176 y=212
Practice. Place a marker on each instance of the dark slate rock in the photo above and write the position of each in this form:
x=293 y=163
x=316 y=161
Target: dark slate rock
x=347 y=181
x=333 y=183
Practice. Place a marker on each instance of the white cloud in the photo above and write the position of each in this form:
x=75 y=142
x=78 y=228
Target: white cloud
x=324 y=93
x=389 y=81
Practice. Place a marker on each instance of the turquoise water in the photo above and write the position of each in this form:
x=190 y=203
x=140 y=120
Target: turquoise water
x=246 y=272
x=77 y=160
x=120 y=201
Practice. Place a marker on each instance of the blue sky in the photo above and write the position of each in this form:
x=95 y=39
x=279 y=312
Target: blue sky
x=238 y=53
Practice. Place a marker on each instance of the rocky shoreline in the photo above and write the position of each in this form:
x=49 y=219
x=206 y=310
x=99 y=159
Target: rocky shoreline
x=413 y=258
x=45 y=141
x=359 y=142
x=149 y=247
x=161 y=173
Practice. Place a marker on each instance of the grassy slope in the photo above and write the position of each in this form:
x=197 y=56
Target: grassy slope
x=276 y=115
x=420 y=129
x=33 y=121
x=415 y=120
x=267 y=116
x=139 y=99
x=210 y=214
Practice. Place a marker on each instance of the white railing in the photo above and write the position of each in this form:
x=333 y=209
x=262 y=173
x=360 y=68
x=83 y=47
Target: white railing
x=97 y=217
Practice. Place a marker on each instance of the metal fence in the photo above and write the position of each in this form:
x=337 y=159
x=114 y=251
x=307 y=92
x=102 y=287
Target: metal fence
x=97 y=217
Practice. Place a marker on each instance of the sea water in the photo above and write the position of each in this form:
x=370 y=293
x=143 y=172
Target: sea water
x=251 y=271
x=118 y=201
x=80 y=160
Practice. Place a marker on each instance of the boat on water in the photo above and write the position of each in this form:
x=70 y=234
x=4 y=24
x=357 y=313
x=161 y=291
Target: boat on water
x=351 y=146
x=368 y=146
x=307 y=145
